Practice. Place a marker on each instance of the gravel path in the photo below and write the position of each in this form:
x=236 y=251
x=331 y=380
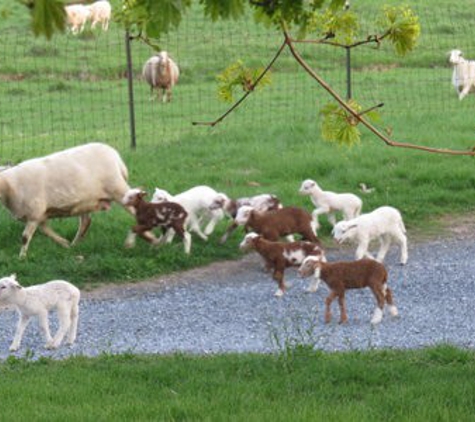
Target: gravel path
x=230 y=307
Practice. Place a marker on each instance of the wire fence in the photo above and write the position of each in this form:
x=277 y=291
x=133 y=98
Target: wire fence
x=74 y=89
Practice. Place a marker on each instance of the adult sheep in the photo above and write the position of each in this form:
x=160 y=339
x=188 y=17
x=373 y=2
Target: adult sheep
x=162 y=74
x=73 y=182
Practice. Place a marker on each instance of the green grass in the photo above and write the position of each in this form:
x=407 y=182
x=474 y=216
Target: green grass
x=430 y=384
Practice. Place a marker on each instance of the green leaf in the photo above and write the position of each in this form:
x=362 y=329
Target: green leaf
x=48 y=16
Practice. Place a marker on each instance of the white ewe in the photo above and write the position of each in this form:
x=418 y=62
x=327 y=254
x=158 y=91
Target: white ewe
x=73 y=182
x=327 y=202
x=384 y=224
x=196 y=202
x=162 y=74
x=463 y=76
x=100 y=13
x=38 y=301
x=77 y=16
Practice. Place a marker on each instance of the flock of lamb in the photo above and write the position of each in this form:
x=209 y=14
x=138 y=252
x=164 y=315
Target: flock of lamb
x=78 y=15
x=85 y=179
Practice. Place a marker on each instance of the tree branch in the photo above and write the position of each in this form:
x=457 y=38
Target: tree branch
x=255 y=83
x=358 y=117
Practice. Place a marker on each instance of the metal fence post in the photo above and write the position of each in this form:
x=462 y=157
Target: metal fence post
x=130 y=85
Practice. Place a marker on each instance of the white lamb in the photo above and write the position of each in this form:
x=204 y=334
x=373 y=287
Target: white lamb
x=100 y=13
x=384 y=224
x=77 y=16
x=38 y=301
x=327 y=202
x=463 y=76
x=196 y=201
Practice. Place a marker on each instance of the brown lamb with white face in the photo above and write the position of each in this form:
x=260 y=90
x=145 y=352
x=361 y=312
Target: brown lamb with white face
x=280 y=255
x=342 y=275
x=149 y=215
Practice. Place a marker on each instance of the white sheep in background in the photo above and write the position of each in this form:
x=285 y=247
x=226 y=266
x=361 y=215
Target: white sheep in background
x=463 y=76
x=38 y=301
x=162 y=74
x=327 y=202
x=196 y=202
x=73 y=182
x=384 y=224
x=77 y=16
x=261 y=203
x=100 y=12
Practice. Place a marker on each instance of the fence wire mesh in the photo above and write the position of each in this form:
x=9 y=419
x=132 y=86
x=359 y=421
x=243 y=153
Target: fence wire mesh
x=73 y=89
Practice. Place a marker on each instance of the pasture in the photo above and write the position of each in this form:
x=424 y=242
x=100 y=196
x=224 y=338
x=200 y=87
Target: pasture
x=270 y=144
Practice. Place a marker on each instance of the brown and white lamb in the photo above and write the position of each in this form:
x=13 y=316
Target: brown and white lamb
x=280 y=255
x=149 y=215
x=343 y=275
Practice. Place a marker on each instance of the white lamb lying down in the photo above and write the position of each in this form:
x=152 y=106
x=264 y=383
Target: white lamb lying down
x=38 y=301
x=196 y=201
x=327 y=202
x=384 y=224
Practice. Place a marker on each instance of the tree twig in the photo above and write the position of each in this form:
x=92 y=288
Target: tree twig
x=358 y=117
x=255 y=83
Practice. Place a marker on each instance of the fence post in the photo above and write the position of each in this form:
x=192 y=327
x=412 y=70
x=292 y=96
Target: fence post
x=130 y=85
x=348 y=63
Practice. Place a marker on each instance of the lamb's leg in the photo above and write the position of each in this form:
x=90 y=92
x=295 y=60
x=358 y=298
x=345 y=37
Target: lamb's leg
x=44 y=327
x=22 y=324
x=195 y=226
x=379 y=294
x=180 y=231
x=362 y=249
x=328 y=302
x=216 y=216
x=130 y=240
x=464 y=92
x=64 y=318
x=385 y=242
x=48 y=231
x=332 y=218
x=228 y=232
x=314 y=284
x=402 y=240
x=84 y=224
x=389 y=300
x=27 y=234
x=279 y=277
x=74 y=317
x=342 y=303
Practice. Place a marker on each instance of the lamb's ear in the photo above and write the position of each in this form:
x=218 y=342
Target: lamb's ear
x=353 y=226
x=13 y=276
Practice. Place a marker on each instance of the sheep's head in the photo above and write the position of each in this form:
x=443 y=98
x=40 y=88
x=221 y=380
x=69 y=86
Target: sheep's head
x=219 y=202
x=162 y=57
x=243 y=215
x=133 y=196
x=248 y=241
x=8 y=287
x=343 y=231
x=307 y=186
x=456 y=57
x=309 y=265
x=161 y=195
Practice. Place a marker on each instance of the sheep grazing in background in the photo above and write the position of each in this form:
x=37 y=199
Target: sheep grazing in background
x=280 y=255
x=327 y=202
x=38 y=301
x=100 y=12
x=73 y=182
x=273 y=225
x=463 y=75
x=261 y=203
x=167 y=215
x=196 y=201
x=162 y=74
x=77 y=16
x=384 y=224
x=344 y=275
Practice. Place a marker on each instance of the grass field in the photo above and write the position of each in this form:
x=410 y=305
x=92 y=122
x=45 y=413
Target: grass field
x=270 y=145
